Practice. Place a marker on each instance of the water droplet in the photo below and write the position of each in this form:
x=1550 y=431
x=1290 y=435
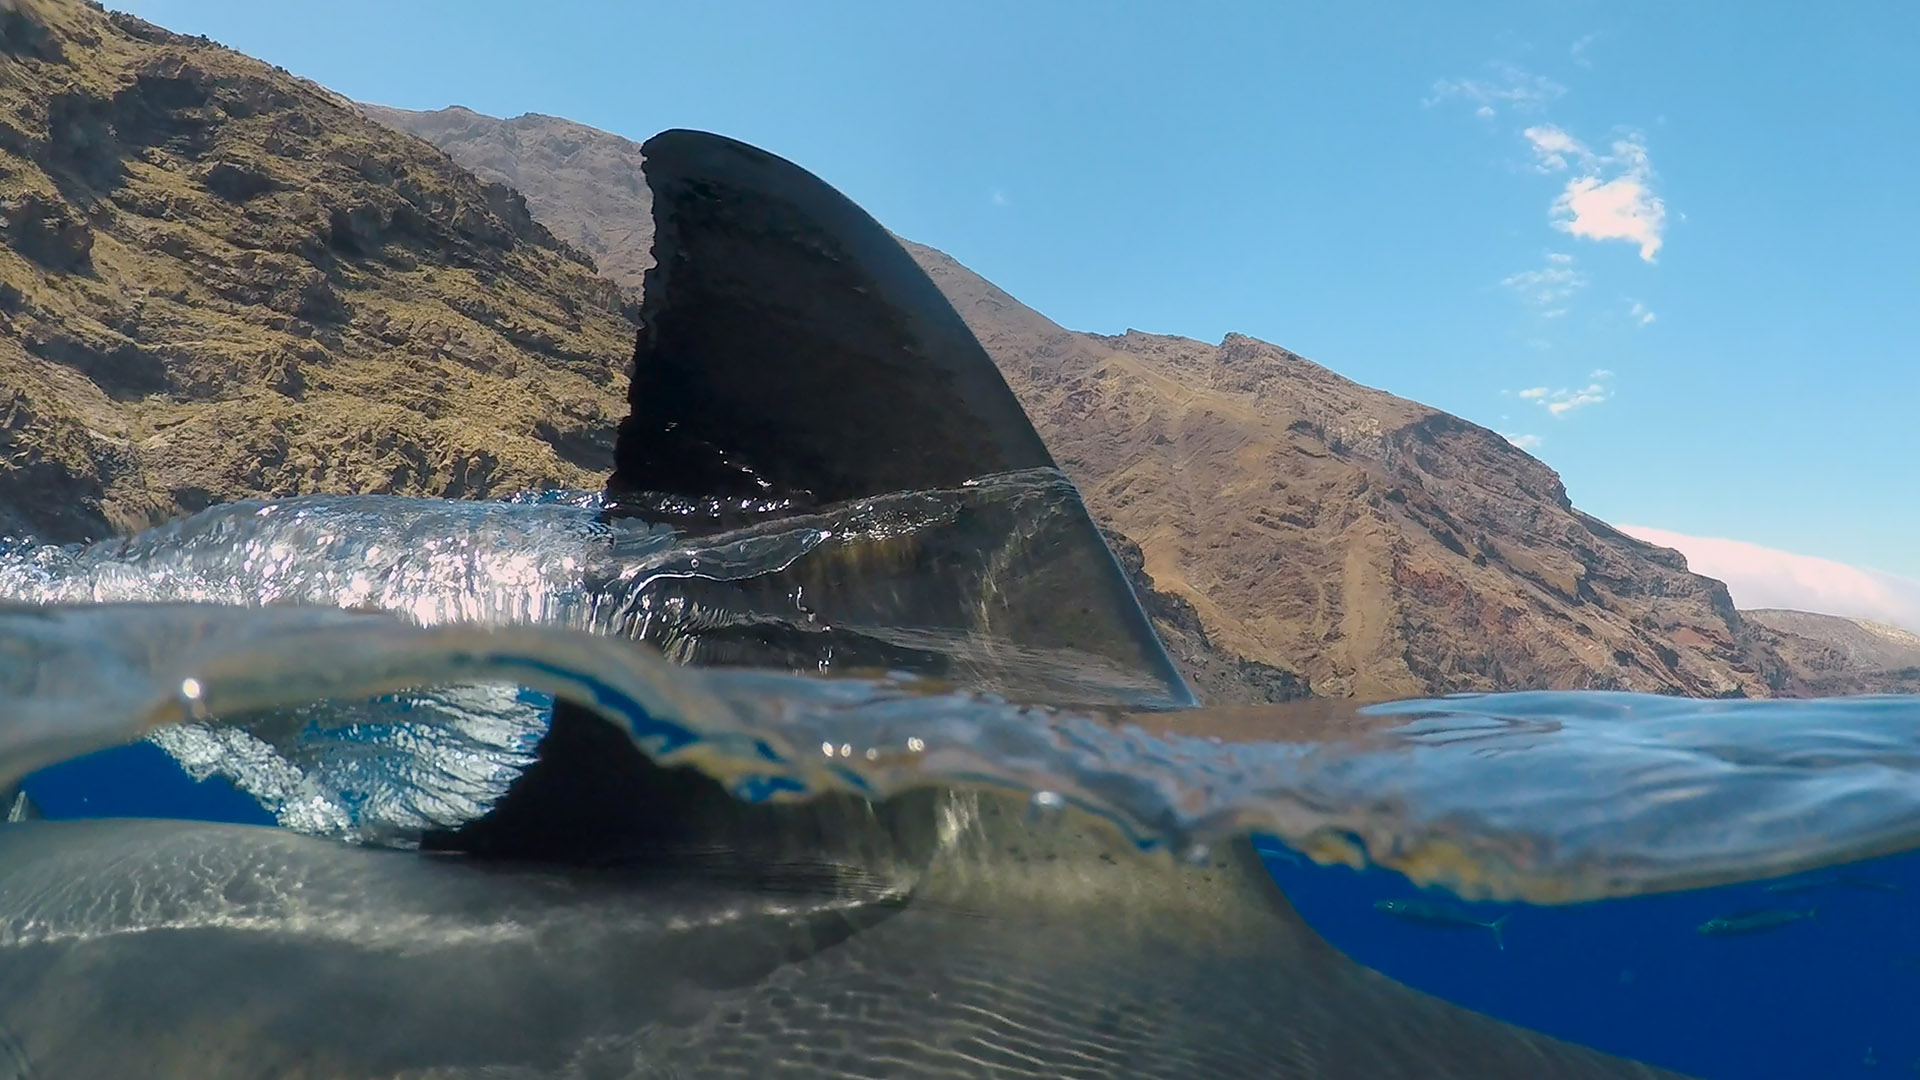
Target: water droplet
x=193 y=698
x=826 y=748
x=915 y=744
x=1044 y=807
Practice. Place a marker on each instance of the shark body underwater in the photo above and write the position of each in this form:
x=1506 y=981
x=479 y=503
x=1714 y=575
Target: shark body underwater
x=612 y=917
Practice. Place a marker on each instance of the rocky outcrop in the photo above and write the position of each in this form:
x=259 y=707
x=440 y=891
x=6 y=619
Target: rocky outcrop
x=1834 y=655
x=217 y=280
x=582 y=182
x=1375 y=546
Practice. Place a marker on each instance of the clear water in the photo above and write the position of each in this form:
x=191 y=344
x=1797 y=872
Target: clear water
x=1605 y=827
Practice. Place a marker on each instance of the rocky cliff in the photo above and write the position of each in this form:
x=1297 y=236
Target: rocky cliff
x=217 y=280
x=1835 y=655
x=1295 y=530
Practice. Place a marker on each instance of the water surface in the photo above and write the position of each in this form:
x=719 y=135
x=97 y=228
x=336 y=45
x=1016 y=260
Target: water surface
x=225 y=641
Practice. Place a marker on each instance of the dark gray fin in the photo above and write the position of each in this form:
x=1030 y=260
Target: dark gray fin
x=790 y=349
x=592 y=798
x=793 y=358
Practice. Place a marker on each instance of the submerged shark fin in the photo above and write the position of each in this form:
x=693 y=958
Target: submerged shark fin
x=19 y=806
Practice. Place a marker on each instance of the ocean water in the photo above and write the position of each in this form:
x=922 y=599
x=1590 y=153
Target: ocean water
x=210 y=669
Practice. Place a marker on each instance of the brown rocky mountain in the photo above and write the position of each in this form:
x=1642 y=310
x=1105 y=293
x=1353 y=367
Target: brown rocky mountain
x=217 y=280
x=1836 y=655
x=1300 y=530
x=583 y=177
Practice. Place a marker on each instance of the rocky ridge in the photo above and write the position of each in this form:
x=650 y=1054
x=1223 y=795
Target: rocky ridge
x=219 y=281
x=1834 y=655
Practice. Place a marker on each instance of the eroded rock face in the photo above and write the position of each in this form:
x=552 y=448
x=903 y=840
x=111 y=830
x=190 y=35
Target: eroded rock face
x=1836 y=655
x=1377 y=547
x=46 y=232
x=220 y=281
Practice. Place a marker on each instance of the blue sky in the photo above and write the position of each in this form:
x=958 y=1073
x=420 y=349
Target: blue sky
x=1674 y=249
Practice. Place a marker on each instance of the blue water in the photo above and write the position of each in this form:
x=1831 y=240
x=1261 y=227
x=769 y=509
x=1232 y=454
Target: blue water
x=1835 y=996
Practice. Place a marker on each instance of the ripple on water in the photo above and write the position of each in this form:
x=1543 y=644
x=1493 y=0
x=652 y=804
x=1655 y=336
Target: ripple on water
x=374 y=727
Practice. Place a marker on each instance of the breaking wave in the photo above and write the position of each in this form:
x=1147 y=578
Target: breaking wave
x=239 y=640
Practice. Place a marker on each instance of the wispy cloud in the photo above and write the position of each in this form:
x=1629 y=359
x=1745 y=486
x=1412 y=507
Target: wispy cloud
x=1639 y=314
x=1610 y=196
x=1579 y=50
x=1554 y=149
x=998 y=196
x=1524 y=442
x=1763 y=577
x=1509 y=88
x=1562 y=401
x=1550 y=287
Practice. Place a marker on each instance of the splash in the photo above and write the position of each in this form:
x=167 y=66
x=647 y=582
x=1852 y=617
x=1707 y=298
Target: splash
x=372 y=727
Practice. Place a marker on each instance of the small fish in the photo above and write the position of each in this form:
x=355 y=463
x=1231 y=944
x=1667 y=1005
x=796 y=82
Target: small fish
x=1751 y=922
x=1441 y=916
x=1844 y=881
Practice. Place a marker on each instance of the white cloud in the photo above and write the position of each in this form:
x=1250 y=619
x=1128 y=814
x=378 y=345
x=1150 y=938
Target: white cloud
x=1554 y=147
x=1611 y=195
x=1614 y=200
x=1567 y=399
x=1524 y=442
x=1623 y=208
x=1559 y=257
x=1762 y=577
x=1510 y=88
x=1639 y=314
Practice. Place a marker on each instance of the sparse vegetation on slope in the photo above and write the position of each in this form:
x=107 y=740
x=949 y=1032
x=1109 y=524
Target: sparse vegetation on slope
x=218 y=280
